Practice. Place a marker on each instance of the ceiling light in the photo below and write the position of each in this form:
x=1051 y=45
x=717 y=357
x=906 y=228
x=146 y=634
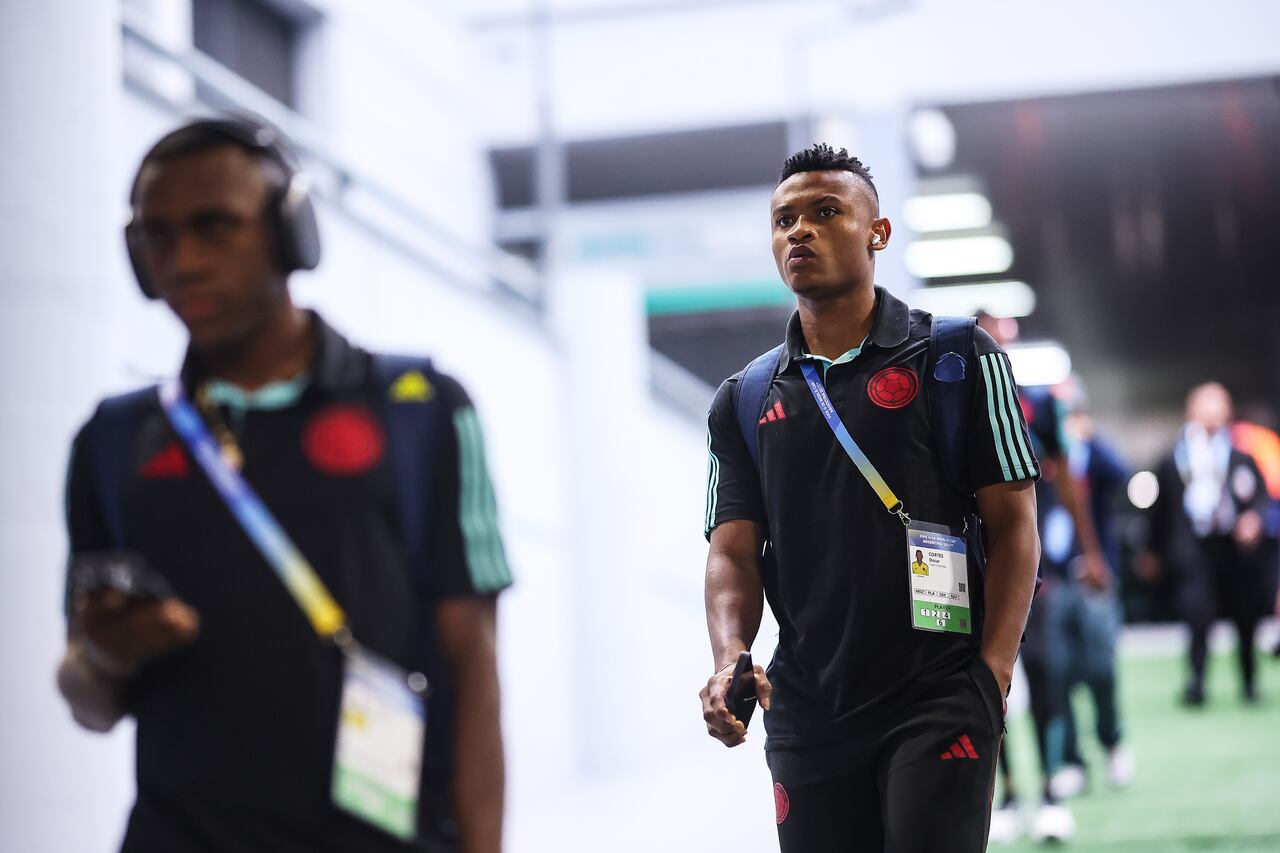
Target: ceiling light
x=954 y=256
x=997 y=298
x=946 y=212
x=1039 y=364
x=932 y=137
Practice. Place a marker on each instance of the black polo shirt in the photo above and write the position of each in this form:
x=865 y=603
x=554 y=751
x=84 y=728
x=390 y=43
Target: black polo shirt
x=235 y=733
x=847 y=655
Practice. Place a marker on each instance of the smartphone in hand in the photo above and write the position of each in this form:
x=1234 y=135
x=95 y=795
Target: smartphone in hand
x=741 y=698
x=123 y=571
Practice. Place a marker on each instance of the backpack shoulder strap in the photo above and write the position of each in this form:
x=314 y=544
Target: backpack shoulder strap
x=412 y=417
x=950 y=375
x=753 y=389
x=110 y=438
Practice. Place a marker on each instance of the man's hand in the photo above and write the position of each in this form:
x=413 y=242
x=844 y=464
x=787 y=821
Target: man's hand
x=1095 y=573
x=722 y=725
x=1248 y=530
x=121 y=633
x=1003 y=674
x=111 y=636
x=1147 y=567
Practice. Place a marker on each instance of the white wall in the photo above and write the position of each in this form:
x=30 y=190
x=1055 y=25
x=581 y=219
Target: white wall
x=59 y=264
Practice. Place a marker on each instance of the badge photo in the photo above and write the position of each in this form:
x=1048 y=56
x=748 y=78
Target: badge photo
x=938 y=579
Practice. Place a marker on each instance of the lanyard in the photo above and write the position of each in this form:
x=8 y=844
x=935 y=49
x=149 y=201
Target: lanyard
x=868 y=471
x=259 y=524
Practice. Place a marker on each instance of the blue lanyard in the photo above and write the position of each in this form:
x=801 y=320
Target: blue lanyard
x=259 y=524
x=860 y=460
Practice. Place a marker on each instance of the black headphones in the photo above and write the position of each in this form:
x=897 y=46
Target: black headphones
x=290 y=214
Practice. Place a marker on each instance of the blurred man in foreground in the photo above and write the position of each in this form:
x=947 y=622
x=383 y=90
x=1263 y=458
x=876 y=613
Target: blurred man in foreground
x=276 y=555
x=884 y=701
x=1206 y=530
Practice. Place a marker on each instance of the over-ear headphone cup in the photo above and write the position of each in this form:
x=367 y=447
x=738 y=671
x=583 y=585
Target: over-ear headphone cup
x=305 y=230
x=131 y=241
x=297 y=232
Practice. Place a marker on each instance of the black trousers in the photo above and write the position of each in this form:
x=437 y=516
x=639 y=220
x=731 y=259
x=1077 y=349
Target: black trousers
x=1225 y=583
x=1046 y=659
x=917 y=783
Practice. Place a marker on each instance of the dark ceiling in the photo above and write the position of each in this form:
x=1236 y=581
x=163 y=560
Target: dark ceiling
x=1148 y=223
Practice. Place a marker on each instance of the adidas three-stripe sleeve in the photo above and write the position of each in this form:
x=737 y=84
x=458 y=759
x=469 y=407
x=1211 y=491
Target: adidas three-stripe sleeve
x=733 y=486
x=1000 y=447
x=468 y=557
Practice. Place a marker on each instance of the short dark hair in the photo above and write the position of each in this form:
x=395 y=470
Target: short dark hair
x=821 y=157
x=208 y=134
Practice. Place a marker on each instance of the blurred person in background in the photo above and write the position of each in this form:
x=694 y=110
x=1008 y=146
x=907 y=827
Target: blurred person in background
x=1208 y=530
x=263 y=707
x=1252 y=434
x=883 y=730
x=1093 y=615
x=1071 y=556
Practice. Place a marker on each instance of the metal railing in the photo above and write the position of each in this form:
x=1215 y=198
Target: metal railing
x=394 y=219
x=511 y=282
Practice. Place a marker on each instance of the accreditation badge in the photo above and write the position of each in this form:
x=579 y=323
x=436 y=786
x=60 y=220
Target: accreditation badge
x=938 y=577
x=378 y=758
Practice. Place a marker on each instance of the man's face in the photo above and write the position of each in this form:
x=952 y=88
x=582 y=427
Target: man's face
x=825 y=229
x=1003 y=330
x=919 y=557
x=205 y=242
x=1210 y=407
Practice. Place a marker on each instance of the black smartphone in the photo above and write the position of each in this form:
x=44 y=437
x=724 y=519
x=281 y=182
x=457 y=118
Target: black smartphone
x=124 y=571
x=741 y=698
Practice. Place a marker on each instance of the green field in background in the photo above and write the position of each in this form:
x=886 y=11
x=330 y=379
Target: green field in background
x=1208 y=779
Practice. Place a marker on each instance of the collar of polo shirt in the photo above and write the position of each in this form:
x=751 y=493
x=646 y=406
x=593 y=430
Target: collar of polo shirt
x=890 y=326
x=332 y=367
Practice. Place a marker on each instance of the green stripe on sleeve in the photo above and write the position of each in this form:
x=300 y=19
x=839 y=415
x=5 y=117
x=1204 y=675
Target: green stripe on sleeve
x=1015 y=411
x=477 y=509
x=713 y=486
x=991 y=414
x=1002 y=406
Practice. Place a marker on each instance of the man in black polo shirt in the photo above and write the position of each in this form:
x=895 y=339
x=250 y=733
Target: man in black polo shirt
x=883 y=728
x=236 y=697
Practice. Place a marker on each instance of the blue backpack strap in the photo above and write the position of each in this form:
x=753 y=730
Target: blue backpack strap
x=950 y=373
x=753 y=389
x=412 y=418
x=110 y=438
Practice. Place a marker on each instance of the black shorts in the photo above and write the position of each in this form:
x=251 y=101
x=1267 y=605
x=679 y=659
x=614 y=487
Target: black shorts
x=919 y=782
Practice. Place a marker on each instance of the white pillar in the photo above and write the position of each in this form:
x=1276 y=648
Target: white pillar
x=881 y=140
x=61 y=272
x=876 y=135
x=599 y=322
